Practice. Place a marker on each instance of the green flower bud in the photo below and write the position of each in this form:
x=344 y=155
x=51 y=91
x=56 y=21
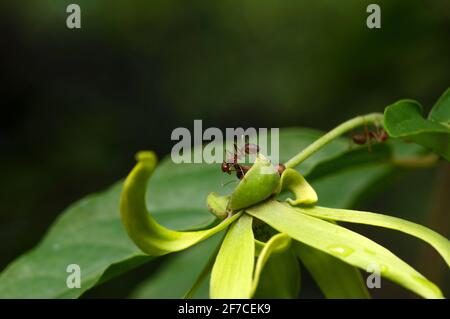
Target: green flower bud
x=260 y=182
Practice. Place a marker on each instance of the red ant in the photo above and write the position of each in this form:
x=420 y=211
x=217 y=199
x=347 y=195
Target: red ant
x=231 y=164
x=380 y=135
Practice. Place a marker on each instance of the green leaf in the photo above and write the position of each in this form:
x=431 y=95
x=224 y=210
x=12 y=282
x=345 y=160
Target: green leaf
x=175 y=276
x=355 y=157
x=439 y=242
x=344 y=244
x=83 y=235
x=441 y=110
x=232 y=273
x=336 y=279
x=280 y=278
x=404 y=119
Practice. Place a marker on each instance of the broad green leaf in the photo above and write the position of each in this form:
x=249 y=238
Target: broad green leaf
x=151 y=237
x=441 y=110
x=439 y=242
x=336 y=279
x=177 y=274
x=275 y=244
x=83 y=235
x=344 y=188
x=404 y=119
x=344 y=244
x=292 y=140
x=357 y=156
x=280 y=278
x=232 y=273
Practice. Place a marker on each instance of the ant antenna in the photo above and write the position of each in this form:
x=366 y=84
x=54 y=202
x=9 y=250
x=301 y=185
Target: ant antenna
x=367 y=133
x=350 y=142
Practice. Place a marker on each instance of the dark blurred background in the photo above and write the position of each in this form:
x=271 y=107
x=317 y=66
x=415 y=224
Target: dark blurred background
x=77 y=104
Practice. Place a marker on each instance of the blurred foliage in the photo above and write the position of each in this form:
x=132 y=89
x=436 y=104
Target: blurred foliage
x=77 y=104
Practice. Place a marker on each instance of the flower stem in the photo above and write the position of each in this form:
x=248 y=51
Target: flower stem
x=373 y=118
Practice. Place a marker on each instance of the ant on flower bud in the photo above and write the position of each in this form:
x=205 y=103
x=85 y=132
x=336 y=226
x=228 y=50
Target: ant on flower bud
x=231 y=164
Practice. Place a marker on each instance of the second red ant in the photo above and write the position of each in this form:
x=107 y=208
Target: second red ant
x=379 y=135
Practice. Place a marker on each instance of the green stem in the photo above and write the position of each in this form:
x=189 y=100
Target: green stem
x=373 y=118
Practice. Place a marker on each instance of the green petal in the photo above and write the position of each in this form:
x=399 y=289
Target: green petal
x=275 y=244
x=232 y=272
x=260 y=182
x=439 y=242
x=152 y=238
x=259 y=246
x=292 y=181
x=218 y=204
x=280 y=278
x=336 y=279
x=344 y=244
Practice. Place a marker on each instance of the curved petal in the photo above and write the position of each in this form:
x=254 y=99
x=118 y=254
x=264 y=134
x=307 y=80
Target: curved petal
x=280 y=278
x=217 y=205
x=231 y=276
x=439 y=242
x=152 y=238
x=344 y=244
x=277 y=243
x=292 y=181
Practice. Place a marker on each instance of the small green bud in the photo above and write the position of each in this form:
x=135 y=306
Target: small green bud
x=260 y=182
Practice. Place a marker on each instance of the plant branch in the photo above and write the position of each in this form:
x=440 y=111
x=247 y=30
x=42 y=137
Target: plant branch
x=372 y=118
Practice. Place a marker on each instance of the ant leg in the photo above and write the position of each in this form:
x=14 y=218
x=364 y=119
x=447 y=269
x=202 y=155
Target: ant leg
x=239 y=151
x=350 y=140
x=229 y=182
x=368 y=136
x=230 y=155
x=380 y=134
x=242 y=172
